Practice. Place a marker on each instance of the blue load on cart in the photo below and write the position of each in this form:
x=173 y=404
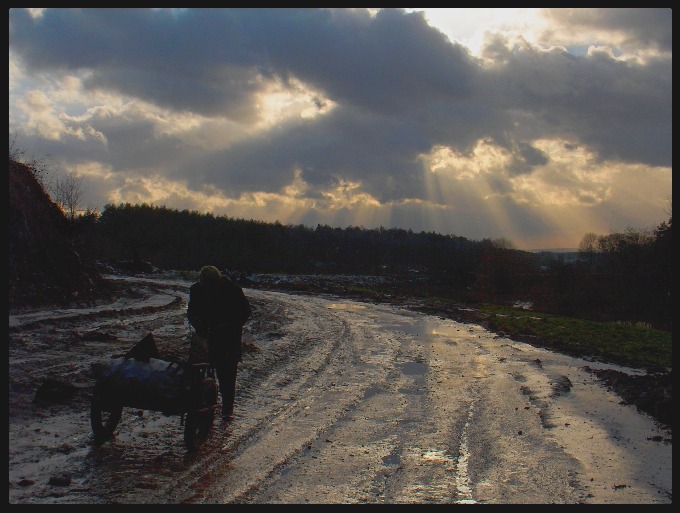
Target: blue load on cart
x=157 y=385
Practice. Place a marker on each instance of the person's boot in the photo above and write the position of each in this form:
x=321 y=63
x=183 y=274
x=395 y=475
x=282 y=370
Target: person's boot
x=227 y=413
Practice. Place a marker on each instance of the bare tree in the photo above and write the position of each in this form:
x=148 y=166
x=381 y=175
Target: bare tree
x=588 y=246
x=502 y=243
x=15 y=153
x=638 y=237
x=68 y=192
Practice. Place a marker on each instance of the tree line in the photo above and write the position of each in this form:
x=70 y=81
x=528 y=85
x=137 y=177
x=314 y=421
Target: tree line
x=620 y=276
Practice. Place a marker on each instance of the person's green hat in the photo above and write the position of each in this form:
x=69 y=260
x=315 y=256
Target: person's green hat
x=209 y=274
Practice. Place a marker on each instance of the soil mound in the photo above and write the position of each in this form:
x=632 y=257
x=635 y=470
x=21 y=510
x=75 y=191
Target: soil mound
x=46 y=265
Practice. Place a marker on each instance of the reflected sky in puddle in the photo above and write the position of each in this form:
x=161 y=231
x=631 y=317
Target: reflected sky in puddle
x=345 y=306
x=393 y=458
x=411 y=391
x=427 y=327
x=414 y=368
x=371 y=391
x=414 y=325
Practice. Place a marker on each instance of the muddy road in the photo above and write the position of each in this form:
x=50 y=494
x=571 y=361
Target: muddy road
x=338 y=402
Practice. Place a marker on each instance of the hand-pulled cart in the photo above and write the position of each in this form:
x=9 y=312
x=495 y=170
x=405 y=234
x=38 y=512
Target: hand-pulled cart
x=173 y=388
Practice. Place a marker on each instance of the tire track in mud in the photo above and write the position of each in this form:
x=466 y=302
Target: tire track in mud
x=91 y=331
x=76 y=317
x=294 y=375
x=386 y=445
x=323 y=413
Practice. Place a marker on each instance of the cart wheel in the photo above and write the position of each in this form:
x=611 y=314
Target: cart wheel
x=198 y=424
x=104 y=418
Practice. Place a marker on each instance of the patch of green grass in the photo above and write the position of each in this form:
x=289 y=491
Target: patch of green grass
x=360 y=290
x=625 y=343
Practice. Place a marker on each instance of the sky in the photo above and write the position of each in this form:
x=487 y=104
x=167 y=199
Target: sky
x=535 y=126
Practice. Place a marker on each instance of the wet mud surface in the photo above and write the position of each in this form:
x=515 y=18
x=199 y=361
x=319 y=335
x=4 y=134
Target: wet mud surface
x=338 y=402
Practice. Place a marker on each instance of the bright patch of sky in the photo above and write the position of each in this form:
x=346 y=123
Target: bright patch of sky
x=469 y=26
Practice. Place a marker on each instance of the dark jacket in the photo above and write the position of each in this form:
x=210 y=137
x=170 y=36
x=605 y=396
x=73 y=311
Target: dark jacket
x=218 y=311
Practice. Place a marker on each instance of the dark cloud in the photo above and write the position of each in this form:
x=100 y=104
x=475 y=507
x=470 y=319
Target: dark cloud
x=384 y=64
x=209 y=61
x=200 y=60
x=347 y=145
x=620 y=110
x=394 y=67
x=638 y=27
x=131 y=143
x=525 y=159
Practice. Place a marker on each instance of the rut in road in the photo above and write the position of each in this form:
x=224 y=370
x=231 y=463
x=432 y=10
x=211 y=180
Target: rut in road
x=337 y=422
x=294 y=394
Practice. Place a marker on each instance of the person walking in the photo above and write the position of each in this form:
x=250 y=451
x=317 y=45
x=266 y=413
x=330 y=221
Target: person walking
x=218 y=309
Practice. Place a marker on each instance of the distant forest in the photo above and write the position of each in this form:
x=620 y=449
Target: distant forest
x=620 y=276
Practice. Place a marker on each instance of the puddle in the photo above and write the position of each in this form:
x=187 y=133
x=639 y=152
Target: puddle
x=427 y=327
x=414 y=368
x=345 y=306
x=370 y=392
x=392 y=459
x=411 y=391
x=438 y=456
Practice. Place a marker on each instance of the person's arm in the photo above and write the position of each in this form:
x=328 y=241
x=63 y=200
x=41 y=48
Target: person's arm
x=194 y=314
x=237 y=309
x=245 y=308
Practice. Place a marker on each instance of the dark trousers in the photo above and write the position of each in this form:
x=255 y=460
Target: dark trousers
x=226 y=375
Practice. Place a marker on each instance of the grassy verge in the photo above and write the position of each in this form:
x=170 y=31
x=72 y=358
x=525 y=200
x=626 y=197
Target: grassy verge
x=624 y=343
